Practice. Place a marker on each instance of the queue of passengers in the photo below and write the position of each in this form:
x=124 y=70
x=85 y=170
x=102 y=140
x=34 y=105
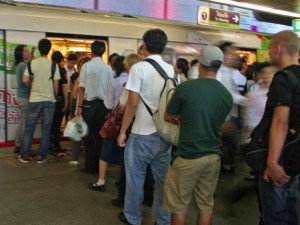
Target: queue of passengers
x=212 y=112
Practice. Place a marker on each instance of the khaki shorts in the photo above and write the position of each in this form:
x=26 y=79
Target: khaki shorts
x=188 y=178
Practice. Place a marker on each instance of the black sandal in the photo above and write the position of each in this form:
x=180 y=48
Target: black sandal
x=96 y=187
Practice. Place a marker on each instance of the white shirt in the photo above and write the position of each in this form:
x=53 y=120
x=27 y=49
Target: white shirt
x=69 y=73
x=225 y=76
x=240 y=80
x=193 y=72
x=114 y=91
x=94 y=77
x=145 y=80
x=255 y=86
x=182 y=78
x=42 y=86
x=253 y=110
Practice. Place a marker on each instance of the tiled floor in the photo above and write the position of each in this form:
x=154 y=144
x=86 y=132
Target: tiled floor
x=56 y=193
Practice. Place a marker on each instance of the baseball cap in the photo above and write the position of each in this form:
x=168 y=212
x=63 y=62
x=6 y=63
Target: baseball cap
x=210 y=54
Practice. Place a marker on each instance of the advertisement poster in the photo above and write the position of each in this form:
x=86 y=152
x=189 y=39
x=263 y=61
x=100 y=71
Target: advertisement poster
x=262 y=55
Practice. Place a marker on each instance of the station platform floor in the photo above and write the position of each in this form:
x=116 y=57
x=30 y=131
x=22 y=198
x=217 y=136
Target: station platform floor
x=55 y=193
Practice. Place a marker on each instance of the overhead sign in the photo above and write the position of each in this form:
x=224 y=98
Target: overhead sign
x=296 y=24
x=218 y=17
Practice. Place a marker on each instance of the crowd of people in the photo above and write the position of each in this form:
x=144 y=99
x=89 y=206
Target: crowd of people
x=217 y=105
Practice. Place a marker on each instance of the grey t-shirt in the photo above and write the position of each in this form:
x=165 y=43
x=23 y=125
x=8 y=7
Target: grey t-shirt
x=23 y=91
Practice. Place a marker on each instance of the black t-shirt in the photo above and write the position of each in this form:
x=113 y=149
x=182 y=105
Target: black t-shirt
x=74 y=77
x=284 y=91
x=63 y=80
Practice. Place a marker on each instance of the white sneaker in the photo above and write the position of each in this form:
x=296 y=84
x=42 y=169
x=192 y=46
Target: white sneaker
x=73 y=163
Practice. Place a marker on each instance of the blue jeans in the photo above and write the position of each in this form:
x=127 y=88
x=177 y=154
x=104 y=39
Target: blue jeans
x=23 y=106
x=141 y=151
x=278 y=203
x=35 y=109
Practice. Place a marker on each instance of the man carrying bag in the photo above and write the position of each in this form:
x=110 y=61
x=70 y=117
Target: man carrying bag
x=281 y=119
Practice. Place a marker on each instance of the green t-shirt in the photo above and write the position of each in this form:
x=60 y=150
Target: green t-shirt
x=203 y=105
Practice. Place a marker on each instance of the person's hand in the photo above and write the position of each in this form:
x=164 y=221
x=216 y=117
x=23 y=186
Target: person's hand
x=78 y=111
x=276 y=173
x=65 y=108
x=178 y=120
x=121 y=140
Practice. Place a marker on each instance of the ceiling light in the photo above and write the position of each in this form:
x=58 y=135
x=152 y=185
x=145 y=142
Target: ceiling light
x=257 y=7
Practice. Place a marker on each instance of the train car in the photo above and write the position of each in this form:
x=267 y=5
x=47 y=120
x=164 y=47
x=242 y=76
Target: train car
x=72 y=30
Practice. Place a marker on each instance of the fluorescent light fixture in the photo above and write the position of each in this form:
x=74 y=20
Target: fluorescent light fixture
x=257 y=7
x=78 y=49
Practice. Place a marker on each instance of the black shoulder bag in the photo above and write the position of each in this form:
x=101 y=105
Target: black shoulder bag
x=256 y=151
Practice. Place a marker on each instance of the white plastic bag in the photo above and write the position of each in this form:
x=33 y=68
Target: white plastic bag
x=82 y=127
x=76 y=129
x=71 y=130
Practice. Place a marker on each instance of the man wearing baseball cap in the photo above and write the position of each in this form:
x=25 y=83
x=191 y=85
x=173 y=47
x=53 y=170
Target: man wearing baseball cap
x=200 y=107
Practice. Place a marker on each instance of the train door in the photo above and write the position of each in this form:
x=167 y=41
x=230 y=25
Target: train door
x=9 y=115
x=78 y=44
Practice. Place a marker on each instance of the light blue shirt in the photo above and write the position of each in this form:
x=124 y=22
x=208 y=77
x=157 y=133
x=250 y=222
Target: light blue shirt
x=114 y=91
x=94 y=77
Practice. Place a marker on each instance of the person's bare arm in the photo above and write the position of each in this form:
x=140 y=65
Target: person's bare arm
x=278 y=133
x=129 y=112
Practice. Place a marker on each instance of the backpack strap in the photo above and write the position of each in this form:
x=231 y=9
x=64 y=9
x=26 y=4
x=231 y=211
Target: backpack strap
x=160 y=70
x=30 y=71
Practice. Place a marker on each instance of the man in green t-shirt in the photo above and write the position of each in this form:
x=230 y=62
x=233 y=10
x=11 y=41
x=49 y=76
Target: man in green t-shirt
x=200 y=107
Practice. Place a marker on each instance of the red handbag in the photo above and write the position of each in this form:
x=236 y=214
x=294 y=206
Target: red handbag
x=113 y=122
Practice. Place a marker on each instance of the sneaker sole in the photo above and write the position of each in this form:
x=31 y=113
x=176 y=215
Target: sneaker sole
x=19 y=158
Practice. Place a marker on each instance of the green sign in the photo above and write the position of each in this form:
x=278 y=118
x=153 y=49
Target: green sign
x=10 y=48
x=296 y=24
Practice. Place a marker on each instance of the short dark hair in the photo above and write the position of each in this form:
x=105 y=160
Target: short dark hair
x=155 y=40
x=18 y=54
x=261 y=66
x=194 y=62
x=57 y=57
x=113 y=55
x=224 y=46
x=214 y=66
x=119 y=65
x=183 y=64
x=44 y=46
x=242 y=61
x=72 y=57
x=98 y=48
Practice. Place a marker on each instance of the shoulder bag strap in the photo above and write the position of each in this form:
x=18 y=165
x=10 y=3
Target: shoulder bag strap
x=29 y=70
x=161 y=71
